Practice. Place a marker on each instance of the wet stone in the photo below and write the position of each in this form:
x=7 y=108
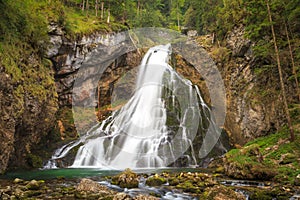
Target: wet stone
x=156 y=180
x=35 y=185
x=88 y=185
x=121 y=196
x=18 y=181
x=126 y=179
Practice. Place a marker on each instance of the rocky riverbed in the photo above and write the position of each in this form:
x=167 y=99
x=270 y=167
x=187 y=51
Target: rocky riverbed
x=131 y=185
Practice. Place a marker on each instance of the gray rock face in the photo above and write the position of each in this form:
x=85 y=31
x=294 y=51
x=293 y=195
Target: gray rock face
x=56 y=34
x=249 y=115
x=192 y=33
x=238 y=43
x=69 y=55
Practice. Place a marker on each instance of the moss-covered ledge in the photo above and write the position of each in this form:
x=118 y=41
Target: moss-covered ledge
x=272 y=158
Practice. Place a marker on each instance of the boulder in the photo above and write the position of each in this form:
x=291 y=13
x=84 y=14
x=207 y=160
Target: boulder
x=126 y=179
x=35 y=185
x=155 y=180
x=88 y=185
x=219 y=192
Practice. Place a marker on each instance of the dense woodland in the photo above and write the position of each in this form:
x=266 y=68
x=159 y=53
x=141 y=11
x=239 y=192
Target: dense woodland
x=26 y=21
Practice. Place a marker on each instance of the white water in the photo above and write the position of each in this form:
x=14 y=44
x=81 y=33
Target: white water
x=138 y=135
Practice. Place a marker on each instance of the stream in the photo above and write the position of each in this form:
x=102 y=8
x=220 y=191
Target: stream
x=70 y=177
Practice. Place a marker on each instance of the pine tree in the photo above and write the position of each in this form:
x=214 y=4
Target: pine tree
x=283 y=92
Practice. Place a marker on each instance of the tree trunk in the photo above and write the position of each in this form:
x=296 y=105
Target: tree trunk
x=138 y=8
x=178 y=20
x=108 y=12
x=108 y=16
x=83 y=2
x=138 y=11
x=87 y=7
x=283 y=93
x=293 y=62
x=124 y=12
x=102 y=9
x=96 y=7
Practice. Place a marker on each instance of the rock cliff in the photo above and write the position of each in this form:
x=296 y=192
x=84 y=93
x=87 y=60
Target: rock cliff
x=253 y=109
x=28 y=106
x=254 y=106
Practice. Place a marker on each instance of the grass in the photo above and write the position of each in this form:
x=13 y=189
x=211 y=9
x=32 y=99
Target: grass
x=78 y=22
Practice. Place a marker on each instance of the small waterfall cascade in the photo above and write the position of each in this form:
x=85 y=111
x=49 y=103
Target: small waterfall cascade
x=154 y=129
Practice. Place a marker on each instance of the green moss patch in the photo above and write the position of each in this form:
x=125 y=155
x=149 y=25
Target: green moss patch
x=78 y=22
x=155 y=180
x=126 y=179
x=272 y=157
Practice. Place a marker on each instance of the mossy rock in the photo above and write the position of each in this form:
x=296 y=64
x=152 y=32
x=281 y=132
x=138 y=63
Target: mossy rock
x=288 y=158
x=221 y=192
x=220 y=169
x=262 y=172
x=32 y=193
x=266 y=194
x=35 y=185
x=126 y=179
x=251 y=150
x=188 y=186
x=261 y=195
x=297 y=180
x=18 y=181
x=155 y=181
x=173 y=181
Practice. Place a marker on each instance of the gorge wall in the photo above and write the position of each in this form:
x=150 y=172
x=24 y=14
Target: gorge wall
x=254 y=104
x=28 y=105
x=253 y=109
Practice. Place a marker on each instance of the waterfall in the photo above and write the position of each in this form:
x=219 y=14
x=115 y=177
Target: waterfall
x=153 y=129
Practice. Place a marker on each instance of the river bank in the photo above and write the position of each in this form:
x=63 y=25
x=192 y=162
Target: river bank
x=163 y=184
x=266 y=168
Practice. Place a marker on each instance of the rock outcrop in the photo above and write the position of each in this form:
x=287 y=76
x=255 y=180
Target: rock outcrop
x=99 y=59
x=253 y=108
x=8 y=122
x=28 y=111
x=28 y=105
x=70 y=54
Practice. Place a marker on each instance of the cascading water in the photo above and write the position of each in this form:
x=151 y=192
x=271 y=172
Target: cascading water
x=153 y=129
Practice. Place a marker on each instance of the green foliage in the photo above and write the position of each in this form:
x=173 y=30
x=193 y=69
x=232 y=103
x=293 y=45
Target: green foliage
x=220 y=54
x=235 y=155
x=23 y=40
x=176 y=13
x=27 y=21
x=220 y=17
x=201 y=15
x=276 y=153
x=78 y=23
x=34 y=161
